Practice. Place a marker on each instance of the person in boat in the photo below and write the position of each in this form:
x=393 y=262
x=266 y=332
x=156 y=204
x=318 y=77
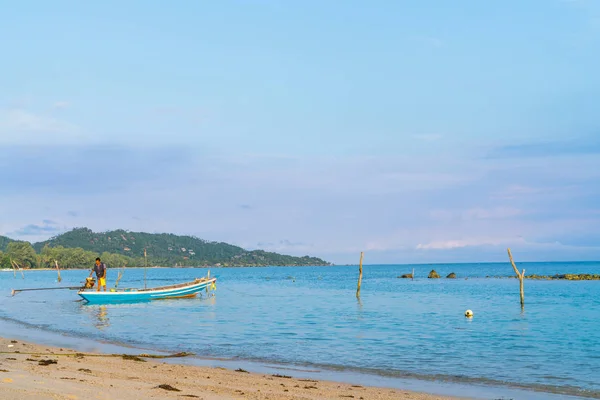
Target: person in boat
x=100 y=270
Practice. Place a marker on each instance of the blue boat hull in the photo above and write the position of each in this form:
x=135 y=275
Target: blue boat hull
x=189 y=289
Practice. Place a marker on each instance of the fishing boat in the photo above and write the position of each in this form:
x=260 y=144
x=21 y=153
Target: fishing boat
x=118 y=295
x=182 y=290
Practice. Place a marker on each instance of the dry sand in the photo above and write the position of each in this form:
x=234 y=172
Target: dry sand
x=23 y=375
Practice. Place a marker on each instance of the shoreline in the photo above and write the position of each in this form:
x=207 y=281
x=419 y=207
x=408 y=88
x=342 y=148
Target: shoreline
x=31 y=371
x=259 y=374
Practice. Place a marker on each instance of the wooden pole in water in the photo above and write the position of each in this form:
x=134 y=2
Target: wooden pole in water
x=15 y=267
x=520 y=275
x=145 y=266
x=359 y=274
x=413 y=275
x=57 y=270
x=119 y=275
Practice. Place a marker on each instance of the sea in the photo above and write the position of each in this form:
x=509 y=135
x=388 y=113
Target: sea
x=308 y=321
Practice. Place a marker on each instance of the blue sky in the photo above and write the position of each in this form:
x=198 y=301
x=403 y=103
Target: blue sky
x=416 y=131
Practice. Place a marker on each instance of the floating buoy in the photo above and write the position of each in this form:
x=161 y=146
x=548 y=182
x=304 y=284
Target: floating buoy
x=469 y=314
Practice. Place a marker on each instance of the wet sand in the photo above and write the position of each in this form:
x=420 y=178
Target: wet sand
x=29 y=371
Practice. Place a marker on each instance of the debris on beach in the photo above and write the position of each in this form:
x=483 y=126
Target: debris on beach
x=168 y=387
x=281 y=376
x=47 y=362
x=133 y=358
x=241 y=370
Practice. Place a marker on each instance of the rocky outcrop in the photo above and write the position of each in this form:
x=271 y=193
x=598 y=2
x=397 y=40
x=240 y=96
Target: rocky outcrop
x=409 y=276
x=433 y=274
x=568 y=277
x=451 y=275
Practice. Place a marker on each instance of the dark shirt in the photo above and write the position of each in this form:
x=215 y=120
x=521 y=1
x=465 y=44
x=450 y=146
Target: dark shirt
x=99 y=270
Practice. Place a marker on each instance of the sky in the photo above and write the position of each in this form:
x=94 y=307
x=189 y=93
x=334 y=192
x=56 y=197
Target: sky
x=415 y=131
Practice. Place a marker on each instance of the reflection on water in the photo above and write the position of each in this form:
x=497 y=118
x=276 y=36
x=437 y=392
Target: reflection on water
x=98 y=314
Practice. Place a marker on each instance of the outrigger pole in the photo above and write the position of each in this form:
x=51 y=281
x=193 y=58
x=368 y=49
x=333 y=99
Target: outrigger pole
x=15 y=291
x=145 y=267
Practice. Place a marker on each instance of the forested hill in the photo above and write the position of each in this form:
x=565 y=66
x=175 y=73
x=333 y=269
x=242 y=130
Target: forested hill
x=169 y=250
x=4 y=241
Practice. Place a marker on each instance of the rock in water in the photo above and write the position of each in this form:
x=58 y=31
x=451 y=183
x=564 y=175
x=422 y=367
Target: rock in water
x=433 y=274
x=451 y=275
x=406 y=276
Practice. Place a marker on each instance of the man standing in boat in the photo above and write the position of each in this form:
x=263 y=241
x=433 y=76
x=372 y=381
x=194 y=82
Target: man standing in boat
x=100 y=270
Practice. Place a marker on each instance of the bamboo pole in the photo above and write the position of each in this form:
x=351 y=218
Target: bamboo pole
x=520 y=275
x=359 y=275
x=208 y=277
x=15 y=291
x=58 y=271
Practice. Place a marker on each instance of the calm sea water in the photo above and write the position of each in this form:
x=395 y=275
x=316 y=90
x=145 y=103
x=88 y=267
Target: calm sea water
x=310 y=316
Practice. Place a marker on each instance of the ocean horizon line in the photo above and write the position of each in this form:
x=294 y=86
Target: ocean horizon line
x=473 y=262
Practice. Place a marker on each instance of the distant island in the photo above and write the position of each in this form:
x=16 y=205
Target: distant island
x=79 y=248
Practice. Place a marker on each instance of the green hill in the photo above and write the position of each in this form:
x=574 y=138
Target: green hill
x=168 y=250
x=4 y=241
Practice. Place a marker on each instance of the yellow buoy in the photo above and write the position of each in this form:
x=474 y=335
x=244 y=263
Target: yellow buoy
x=469 y=314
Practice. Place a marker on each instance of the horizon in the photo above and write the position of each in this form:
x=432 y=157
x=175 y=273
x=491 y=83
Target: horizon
x=341 y=264
x=426 y=132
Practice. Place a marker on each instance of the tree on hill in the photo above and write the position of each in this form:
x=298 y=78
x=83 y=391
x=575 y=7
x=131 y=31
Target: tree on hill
x=22 y=253
x=4 y=260
x=4 y=241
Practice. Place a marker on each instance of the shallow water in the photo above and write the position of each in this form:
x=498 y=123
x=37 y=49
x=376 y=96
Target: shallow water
x=310 y=316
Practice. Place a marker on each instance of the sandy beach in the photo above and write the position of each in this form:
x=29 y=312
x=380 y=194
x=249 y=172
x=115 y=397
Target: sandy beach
x=29 y=371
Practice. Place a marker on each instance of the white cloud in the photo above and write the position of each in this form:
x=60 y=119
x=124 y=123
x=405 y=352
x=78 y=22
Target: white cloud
x=19 y=126
x=21 y=120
